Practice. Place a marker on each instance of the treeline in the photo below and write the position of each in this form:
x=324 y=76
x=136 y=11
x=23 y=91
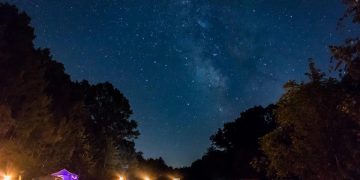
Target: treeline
x=234 y=146
x=48 y=122
x=312 y=132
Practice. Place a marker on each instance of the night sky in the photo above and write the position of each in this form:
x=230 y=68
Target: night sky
x=187 y=66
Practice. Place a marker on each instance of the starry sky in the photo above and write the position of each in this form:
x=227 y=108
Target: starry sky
x=187 y=66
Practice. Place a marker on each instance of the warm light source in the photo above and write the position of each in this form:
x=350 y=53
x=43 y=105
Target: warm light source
x=176 y=178
x=121 y=178
x=6 y=177
x=146 y=178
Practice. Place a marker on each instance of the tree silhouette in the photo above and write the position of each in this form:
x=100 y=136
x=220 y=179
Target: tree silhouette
x=49 y=122
x=22 y=94
x=318 y=121
x=314 y=137
x=234 y=147
x=109 y=126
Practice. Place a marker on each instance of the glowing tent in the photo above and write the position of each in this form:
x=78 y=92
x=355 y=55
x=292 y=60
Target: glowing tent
x=65 y=175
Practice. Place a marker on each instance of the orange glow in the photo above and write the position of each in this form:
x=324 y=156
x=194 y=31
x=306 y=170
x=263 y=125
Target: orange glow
x=7 y=177
x=121 y=178
x=146 y=178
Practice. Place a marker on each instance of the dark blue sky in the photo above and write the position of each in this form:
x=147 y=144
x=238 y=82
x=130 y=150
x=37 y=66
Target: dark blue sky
x=187 y=66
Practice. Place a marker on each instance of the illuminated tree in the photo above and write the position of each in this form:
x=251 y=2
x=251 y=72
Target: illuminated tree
x=314 y=138
x=39 y=132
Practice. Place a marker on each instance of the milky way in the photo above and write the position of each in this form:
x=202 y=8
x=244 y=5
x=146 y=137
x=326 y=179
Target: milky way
x=187 y=66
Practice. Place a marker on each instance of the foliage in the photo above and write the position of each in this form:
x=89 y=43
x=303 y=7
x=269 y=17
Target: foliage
x=49 y=122
x=318 y=121
x=352 y=10
x=313 y=138
x=235 y=146
x=110 y=130
x=23 y=99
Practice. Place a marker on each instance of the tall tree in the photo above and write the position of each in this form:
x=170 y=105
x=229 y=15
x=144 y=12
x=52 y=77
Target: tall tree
x=69 y=115
x=318 y=121
x=41 y=133
x=22 y=92
x=109 y=126
x=314 y=138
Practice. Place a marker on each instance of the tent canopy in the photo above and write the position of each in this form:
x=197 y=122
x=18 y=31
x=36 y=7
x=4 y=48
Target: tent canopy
x=66 y=175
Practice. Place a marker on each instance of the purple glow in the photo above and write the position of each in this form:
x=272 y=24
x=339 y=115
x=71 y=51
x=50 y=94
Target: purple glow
x=66 y=175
